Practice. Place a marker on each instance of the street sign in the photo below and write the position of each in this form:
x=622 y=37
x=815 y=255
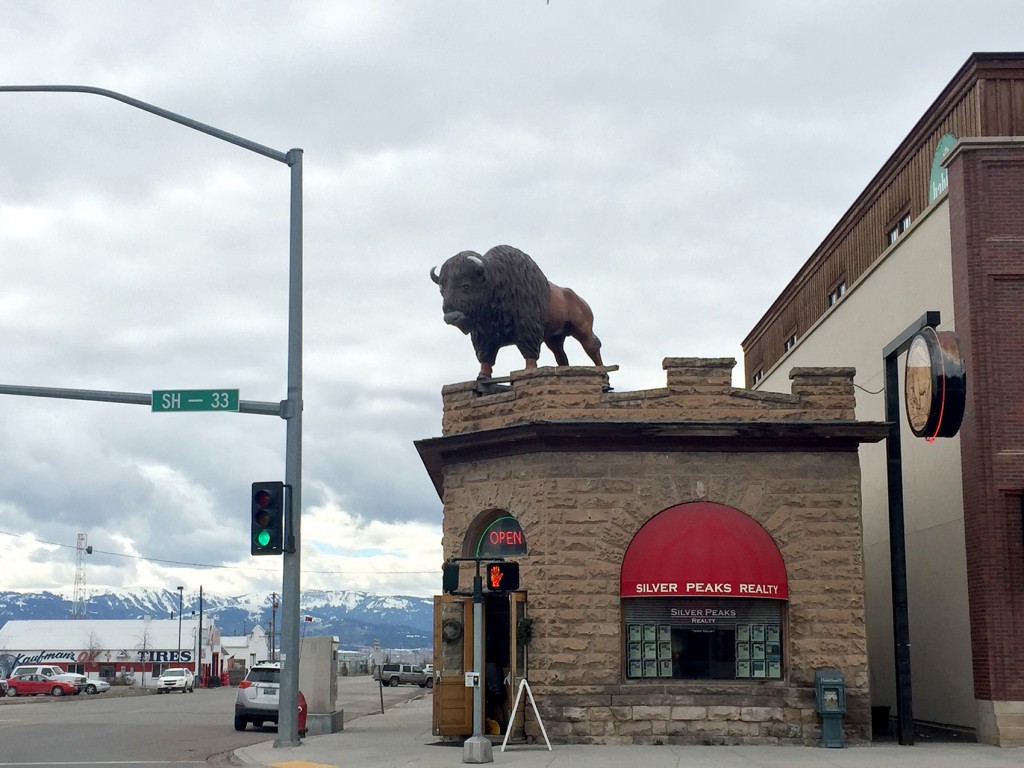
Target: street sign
x=175 y=400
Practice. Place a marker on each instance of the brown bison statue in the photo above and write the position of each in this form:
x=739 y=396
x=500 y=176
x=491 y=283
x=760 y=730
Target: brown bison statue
x=503 y=298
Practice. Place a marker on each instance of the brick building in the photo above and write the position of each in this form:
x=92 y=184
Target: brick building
x=138 y=650
x=938 y=228
x=689 y=555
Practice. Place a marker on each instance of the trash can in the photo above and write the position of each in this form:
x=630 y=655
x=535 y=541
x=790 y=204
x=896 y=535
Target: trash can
x=830 y=697
x=301 y=719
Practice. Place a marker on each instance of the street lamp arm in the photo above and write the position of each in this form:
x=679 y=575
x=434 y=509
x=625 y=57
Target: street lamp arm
x=283 y=157
x=290 y=409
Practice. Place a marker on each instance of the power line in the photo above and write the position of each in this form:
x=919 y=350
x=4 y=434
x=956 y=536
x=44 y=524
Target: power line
x=210 y=565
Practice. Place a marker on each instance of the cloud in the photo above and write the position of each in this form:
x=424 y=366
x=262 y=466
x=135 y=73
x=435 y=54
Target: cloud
x=673 y=163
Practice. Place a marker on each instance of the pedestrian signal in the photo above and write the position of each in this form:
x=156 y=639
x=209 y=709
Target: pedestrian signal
x=502 y=577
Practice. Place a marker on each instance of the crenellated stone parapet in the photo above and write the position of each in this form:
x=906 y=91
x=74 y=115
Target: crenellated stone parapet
x=697 y=389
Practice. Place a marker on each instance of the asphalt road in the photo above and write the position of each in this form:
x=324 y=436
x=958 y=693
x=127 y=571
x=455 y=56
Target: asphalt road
x=131 y=727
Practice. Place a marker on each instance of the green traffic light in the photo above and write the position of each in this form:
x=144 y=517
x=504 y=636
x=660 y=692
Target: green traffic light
x=266 y=535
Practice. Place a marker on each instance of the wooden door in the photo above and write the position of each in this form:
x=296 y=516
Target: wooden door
x=520 y=661
x=453 y=654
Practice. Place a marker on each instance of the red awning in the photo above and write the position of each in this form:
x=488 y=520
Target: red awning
x=703 y=549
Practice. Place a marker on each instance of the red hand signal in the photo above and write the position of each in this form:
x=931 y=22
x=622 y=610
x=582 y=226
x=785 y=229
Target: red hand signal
x=494 y=577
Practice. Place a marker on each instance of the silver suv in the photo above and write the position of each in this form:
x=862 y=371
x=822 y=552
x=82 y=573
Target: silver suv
x=258 y=696
x=413 y=674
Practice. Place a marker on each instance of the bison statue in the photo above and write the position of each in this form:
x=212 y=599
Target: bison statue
x=503 y=298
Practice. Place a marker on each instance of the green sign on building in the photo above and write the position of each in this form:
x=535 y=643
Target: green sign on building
x=939 y=178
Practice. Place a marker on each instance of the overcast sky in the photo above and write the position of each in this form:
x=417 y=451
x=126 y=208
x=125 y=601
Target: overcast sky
x=674 y=162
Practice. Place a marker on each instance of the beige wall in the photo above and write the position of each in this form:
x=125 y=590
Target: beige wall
x=914 y=277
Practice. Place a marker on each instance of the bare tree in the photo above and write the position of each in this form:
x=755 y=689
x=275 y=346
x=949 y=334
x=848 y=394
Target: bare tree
x=145 y=642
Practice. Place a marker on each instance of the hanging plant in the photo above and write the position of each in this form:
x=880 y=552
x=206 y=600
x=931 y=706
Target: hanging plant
x=525 y=630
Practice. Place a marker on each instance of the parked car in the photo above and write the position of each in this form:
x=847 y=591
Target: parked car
x=95 y=685
x=396 y=674
x=258 y=697
x=176 y=679
x=51 y=671
x=33 y=685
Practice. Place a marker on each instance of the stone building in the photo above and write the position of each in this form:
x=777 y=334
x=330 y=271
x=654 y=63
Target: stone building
x=689 y=555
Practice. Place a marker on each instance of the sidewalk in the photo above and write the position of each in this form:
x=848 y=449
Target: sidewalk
x=402 y=737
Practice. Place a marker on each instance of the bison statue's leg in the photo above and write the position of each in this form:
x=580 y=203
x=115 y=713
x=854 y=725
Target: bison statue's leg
x=530 y=350
x=557 y=346
x=591 y=345
x=486 y=353
x=570 y=315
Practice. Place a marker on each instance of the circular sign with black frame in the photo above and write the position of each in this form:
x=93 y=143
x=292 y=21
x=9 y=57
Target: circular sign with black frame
x=935 y=384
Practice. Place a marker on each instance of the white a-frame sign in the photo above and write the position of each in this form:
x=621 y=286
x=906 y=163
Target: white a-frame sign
x=515 y=708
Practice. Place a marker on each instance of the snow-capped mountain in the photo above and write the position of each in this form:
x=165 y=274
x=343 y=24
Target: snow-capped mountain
x=357 y=618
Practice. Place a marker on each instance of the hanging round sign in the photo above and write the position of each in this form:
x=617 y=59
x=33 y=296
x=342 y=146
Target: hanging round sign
x=935 y=386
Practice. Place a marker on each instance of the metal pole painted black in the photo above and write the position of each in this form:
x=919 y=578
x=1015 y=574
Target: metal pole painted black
x=897 y=531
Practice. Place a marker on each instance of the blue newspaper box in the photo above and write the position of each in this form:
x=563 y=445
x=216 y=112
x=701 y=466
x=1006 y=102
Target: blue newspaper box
x=830 y=697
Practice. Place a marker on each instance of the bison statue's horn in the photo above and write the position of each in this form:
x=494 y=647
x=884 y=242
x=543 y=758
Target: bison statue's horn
x=478 y=261
x=433 y=275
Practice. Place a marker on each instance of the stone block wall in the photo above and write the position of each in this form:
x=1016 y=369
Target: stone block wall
x=581 y=503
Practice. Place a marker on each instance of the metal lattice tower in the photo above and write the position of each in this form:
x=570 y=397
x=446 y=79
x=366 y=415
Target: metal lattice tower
x=78 y=605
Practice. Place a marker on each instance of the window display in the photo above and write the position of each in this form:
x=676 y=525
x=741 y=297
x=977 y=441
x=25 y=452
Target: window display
x=704 y=639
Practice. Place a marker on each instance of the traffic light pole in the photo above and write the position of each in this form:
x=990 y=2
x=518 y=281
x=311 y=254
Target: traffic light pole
x=289 y=409
x=477 y=748
x=288 y=707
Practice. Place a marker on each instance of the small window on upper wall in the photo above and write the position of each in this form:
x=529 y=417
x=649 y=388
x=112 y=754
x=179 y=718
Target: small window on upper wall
x=837 y=293
x=757 y=376
x=902 y=225
x=790 y=343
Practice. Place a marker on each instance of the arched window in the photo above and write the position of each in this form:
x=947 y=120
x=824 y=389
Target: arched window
x=703 y=590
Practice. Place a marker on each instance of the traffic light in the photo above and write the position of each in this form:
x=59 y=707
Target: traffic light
x=449 y=577
x=267 y=519
x=502 y=577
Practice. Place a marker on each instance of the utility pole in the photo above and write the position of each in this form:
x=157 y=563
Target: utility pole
x=199 y=640
x=181 y=592
x=273 y=626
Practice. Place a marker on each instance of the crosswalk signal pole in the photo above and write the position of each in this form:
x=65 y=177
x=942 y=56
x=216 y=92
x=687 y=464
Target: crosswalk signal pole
x=477 y=748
